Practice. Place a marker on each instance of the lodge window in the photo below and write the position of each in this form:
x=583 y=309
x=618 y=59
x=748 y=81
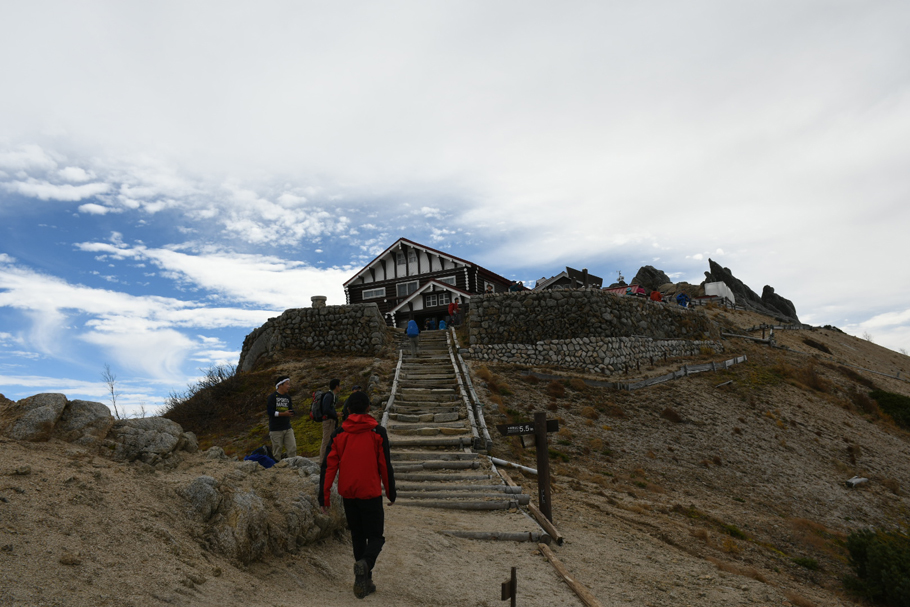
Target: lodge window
x=400 y=257
x=449 y=280
x=373 y=293
x=437 y=299
x=412 y=256
x=406 y=288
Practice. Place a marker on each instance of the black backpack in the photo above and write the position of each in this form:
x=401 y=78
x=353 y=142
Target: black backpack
x=316 y=407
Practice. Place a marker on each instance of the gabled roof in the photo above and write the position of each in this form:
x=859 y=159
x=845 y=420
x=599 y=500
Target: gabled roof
x=572 y=274
x=430 y=283
x=543 y=285
x=417 y=245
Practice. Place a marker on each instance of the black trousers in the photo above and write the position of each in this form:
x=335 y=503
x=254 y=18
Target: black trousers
x=366 y=519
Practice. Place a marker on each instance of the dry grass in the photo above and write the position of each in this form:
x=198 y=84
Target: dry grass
x=749 y=572
x=578 y=384
x=556 y=389
x=798 y=600
x=590 y=413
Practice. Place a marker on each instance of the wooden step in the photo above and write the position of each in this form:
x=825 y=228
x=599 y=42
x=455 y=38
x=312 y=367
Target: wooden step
x=438 y=478
x=455 y=487
x=432 y=455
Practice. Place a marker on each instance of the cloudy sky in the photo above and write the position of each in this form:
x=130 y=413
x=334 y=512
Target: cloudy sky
x=172 y=174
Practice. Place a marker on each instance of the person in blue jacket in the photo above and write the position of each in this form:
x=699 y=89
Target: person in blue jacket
x=413 y=331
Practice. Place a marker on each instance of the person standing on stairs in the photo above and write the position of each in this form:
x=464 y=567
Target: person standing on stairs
x=329 y=415
x=413 y=332
x=359 y=454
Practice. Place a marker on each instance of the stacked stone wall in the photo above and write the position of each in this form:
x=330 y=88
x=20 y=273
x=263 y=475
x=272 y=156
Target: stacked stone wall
x=357 y=329
x=585 y=329
x=604 y=355
x=531 y=316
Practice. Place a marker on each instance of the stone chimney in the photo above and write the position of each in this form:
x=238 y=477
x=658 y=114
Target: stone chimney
x=318 y=301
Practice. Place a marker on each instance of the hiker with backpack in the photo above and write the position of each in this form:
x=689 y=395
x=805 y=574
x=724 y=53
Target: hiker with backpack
x=359 y=455
x=280 y=409
x=413 y=332
x=328 y=415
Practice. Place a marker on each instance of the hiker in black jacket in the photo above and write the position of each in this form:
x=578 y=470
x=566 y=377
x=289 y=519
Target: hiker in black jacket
x=329 y=415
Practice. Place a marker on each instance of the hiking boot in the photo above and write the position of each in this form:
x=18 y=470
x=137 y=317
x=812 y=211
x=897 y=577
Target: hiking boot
x=371 y=587
x=362 y=581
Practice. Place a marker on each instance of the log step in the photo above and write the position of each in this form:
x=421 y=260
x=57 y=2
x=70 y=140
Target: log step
x=504 y=536
x=452 y=487
x=403 y=443
x=521 y=499
x=435 y=478
x=432 y=456
x=463 y=505
x=409 y=425
x=427 y=431
x=417 y=466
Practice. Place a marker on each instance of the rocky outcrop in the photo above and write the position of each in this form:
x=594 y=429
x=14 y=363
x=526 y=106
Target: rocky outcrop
x=357 y=329
x=775 y=305
x=650 y=278
x=781 y=305
x=152 y=440
x=251 y=513
x=34 y=418
x=84 y=423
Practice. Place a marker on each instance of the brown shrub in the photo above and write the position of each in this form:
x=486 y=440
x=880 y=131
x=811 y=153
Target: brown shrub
x=556 y=389
x=893 y=485
x=577 y=384
x=798 y=600
x=590 y=413
x=614 y=411
x=672 y=415
x=748 y=572
x=484 y=374
x=530 y=379
x=552 y=405
x=818 y=346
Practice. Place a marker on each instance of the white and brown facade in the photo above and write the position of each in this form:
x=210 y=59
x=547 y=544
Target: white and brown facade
x=412 y=280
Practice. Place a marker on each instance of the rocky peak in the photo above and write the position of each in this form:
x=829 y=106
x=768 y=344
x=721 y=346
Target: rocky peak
x=769 y=303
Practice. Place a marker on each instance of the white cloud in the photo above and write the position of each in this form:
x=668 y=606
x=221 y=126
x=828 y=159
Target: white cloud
x=27 y=157
x=74 y=174
x=44 y=190
x=95 y=209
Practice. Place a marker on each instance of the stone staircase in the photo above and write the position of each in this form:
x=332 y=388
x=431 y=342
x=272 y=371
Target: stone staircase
x=430 y=433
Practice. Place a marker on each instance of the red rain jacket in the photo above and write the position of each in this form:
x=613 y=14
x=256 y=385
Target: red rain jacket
x=359 y=454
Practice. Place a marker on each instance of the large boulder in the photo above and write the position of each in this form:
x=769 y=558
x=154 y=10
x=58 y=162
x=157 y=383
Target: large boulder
x=84 y=423
x=148 y=439
x=781 y=305
x=650 y=278
x=33 y=418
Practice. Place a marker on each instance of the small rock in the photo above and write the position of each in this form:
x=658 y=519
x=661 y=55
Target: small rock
x=69 y=559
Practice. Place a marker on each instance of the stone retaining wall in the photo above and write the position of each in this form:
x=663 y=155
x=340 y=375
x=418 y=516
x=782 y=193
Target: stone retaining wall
x=357 y=329
x=530 y=317
x=605 y=355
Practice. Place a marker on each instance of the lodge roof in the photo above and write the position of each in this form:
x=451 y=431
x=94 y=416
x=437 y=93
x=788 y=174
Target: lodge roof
x=417 y=245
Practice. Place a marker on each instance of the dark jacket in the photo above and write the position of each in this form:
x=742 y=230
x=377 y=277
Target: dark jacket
x=358 y=453
x=328 y=406
x=277 y=403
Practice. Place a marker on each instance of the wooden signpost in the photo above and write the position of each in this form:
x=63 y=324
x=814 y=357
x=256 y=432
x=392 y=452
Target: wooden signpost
x=539 y=428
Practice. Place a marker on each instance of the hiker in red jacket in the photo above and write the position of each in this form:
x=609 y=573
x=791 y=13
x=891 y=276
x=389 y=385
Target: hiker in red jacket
x=358 y=453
